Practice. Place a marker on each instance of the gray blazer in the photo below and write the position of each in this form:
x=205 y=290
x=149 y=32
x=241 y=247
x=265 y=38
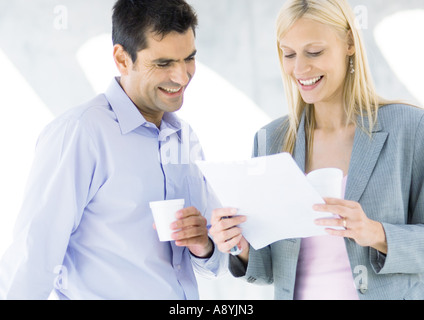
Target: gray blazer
x=386 y=176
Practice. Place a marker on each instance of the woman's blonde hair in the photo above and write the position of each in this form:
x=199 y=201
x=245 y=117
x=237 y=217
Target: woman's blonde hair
x=359 y=95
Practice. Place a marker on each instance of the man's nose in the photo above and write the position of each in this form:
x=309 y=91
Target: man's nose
x=180 y=74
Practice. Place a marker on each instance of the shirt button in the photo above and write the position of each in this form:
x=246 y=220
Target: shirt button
x=178 y=266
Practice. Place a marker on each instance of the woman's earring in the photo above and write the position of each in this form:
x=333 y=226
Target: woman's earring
x=352 y=69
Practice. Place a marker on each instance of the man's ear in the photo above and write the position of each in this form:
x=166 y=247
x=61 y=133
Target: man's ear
x=122 y=59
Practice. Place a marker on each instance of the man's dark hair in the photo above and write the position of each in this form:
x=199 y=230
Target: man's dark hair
x=132 y=19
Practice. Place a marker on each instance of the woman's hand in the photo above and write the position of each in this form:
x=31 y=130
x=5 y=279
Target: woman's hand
x=226 y=234
x=357 y=226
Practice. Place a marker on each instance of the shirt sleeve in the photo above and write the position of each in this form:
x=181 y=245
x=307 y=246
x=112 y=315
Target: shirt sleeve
x=212 y=267
x=56 y=194
x=215 y=265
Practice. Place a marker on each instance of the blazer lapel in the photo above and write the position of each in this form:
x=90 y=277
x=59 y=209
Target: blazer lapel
x=300 y=148
x=365 y=153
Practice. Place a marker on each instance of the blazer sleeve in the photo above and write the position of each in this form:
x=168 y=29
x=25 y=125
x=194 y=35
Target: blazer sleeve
x=259 y=268
x=406 y=242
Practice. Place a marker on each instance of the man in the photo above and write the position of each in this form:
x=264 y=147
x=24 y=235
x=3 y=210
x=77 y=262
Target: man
x=85 y=228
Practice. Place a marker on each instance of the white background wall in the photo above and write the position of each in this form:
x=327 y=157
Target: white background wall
x=56 y=54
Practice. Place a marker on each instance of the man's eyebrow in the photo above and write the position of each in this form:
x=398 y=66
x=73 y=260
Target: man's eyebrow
x=192 y=55
x=163 y=61
x=166 y=60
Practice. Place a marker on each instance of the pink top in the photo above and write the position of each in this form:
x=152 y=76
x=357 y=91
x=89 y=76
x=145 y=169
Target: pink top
x=323 y=269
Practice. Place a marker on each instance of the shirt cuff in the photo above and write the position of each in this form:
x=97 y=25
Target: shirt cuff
x=237 y=267
x=214 y=264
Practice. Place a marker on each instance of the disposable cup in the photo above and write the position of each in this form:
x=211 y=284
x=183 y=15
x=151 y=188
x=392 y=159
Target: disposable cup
x=164 y=215
x=327 y=181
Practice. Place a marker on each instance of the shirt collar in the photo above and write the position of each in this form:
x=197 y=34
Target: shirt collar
x=170 y=124
x=126 y=112
x=128 y=116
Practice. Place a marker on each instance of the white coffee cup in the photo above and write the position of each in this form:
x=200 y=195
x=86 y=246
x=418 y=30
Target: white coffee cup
x=327 y=181
x=164 y=215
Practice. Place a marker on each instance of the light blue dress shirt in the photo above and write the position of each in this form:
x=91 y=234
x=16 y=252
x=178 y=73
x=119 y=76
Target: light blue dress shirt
x=85 y=227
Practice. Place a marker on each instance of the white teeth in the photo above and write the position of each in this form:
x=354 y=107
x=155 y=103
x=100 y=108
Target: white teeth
x=171 y=90
x=310 y=82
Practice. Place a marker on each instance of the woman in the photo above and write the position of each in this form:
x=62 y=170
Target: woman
x=337 y=120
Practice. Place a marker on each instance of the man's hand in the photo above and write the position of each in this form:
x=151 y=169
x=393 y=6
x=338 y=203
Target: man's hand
x=191 y=232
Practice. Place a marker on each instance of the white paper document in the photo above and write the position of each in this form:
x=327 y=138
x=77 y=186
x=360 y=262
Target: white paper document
x=274 y=194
